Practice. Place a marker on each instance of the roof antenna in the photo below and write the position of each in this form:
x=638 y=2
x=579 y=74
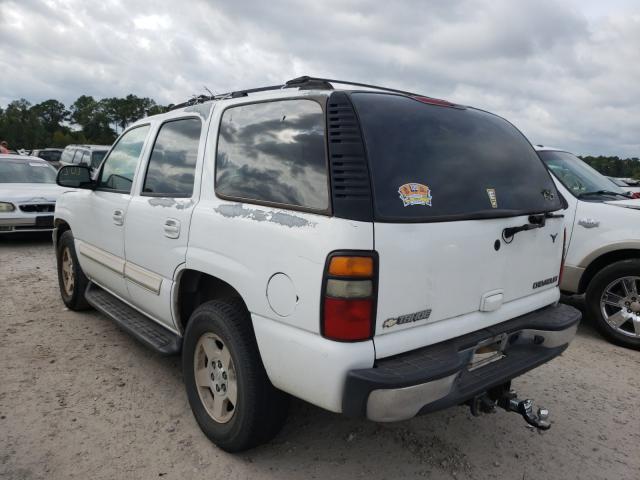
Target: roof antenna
x=209 y=91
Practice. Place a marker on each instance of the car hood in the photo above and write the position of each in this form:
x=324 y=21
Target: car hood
x=29 y=192
x=634 y=204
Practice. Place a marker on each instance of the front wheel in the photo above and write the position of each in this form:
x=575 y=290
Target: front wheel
x=71 y=278
x=613 y=301
x=232 y=399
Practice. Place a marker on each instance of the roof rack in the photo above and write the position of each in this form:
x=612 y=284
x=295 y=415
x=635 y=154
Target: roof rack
x=296 y=82
x=304 y=83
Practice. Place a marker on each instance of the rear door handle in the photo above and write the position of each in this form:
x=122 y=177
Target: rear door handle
x=118 y=217
x=171 y=228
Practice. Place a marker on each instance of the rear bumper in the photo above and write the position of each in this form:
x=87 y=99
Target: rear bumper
x=438 y=376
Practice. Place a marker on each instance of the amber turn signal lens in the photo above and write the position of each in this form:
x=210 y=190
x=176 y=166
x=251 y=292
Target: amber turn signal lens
x=351 y=266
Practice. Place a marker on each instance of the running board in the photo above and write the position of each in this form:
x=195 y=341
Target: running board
x=142 y=328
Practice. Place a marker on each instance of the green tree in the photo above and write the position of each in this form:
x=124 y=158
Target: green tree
x=52 y=113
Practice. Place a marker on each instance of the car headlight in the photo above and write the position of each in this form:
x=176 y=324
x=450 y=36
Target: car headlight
x=7 y=207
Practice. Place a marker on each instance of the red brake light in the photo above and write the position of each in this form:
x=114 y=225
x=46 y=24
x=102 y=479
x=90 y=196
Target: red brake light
x=349 y=294
x=347 y=319
x=635 y=194
x=564 y=244
x=434 y=101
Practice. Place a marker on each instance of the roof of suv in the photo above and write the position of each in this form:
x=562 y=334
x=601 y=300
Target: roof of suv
x=301 y=86
x=90 y=147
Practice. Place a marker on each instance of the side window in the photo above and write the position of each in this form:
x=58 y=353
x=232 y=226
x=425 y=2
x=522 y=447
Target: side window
x=273 y=152
x=172 y=163
x=76 y=157
x=85 y=158
x=119 y=168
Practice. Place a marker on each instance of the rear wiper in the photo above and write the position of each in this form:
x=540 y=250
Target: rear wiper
x=601 y=192
x=535 y=221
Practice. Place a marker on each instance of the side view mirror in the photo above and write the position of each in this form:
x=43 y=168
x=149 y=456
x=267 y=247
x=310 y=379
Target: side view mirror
x=75 y=176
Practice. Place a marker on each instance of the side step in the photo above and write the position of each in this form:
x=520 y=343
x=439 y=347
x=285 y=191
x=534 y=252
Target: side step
x=133 y=322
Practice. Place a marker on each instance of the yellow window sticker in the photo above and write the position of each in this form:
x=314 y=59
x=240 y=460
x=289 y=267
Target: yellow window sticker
x=492 y=197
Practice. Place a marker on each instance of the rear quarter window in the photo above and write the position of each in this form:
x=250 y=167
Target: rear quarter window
x=274 y=153
x=433 y=163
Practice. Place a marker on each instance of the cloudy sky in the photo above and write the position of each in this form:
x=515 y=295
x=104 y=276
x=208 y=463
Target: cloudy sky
x=567 y=73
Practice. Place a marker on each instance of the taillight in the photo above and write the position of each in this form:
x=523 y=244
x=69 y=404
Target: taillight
x=564 y=244
x=635 y=194
x=349 y=296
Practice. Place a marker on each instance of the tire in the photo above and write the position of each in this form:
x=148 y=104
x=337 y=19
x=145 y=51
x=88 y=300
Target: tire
x=609 y=279
x=220 y=330
x=73 y=297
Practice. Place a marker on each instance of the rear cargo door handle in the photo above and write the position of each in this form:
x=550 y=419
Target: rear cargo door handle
x=118 y=217
x=171 y=228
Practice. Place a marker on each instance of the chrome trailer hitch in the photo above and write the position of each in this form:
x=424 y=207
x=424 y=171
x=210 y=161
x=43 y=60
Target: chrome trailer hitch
x=508 y=400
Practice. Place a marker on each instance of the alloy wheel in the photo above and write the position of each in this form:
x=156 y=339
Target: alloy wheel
x=215 y=376
x=620 y=305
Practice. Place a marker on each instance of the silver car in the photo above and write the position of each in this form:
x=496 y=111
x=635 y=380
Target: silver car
x=28 y=194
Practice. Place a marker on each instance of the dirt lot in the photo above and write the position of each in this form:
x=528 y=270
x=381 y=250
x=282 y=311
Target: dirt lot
x=81 y=399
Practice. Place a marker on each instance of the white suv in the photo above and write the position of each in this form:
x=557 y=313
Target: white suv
x=603 y=250
x=310 y=240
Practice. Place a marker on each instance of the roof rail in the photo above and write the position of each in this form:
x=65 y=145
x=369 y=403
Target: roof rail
x=297 y=82
x=304 y=83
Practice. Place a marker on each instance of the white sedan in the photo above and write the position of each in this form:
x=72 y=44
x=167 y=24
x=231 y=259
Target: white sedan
x=28 y=194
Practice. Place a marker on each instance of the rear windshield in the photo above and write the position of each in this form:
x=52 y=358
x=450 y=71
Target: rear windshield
x=433 y=163
x=26 y=172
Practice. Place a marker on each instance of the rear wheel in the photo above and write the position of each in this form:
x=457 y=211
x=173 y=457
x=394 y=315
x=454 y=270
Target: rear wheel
x=71 y=279
x=230 y=394
x=613 y=300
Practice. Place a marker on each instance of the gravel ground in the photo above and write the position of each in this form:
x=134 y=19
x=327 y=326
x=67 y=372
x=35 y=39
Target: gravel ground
x=81 y=399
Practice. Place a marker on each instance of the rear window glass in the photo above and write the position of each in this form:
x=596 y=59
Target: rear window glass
x=172 y=165
x=274 y=152
x=26 y=172
x=432 y=163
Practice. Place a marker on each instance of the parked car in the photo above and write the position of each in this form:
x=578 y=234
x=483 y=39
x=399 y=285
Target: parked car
x=89 y=155
x=603 y=249
x=28 y=194
x=51 y=155
x=306 y=240
x=629 y=185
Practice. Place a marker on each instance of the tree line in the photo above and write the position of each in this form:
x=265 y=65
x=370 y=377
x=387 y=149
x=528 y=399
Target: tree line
x=615 y=166
x=87 y=120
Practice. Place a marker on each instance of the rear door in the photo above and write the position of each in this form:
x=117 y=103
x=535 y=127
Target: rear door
x=158 y=218
x=447 y=182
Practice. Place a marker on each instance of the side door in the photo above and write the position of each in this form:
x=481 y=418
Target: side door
x=99 y=217
x=159 y=216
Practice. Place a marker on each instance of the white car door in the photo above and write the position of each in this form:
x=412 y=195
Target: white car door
x=100 y=214
x=159 y=215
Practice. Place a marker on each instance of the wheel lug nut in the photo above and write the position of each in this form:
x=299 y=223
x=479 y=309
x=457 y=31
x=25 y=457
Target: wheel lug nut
x=224 y=375
x=212 y=377
x=219 y=364
x=628 y=310
x=217 y=388
x=224 y=388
